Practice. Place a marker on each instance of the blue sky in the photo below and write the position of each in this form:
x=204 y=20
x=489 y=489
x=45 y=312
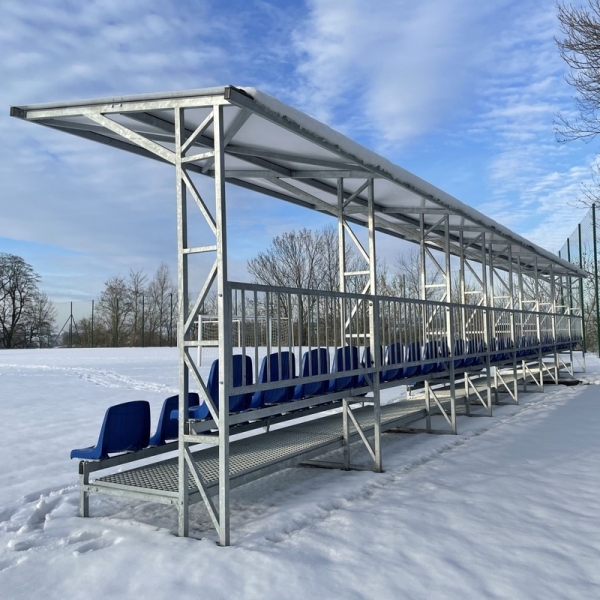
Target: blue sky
x=463 y=93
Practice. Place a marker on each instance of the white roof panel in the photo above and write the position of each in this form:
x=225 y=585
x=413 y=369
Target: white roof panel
x=276 y=149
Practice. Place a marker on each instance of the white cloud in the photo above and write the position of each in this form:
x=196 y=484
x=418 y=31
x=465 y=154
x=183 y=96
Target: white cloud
x=401 y=67
x=110 y=210
x=448 y=74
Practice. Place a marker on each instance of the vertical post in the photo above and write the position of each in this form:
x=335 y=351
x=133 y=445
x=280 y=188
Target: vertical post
x=341 y=256
x=342 y=268
x=451 y=324
x=581 y=301
x=92 y=323
x=374 y=328
x=486 y=318
x=513 y=328
x=463 y=314
x=224 y=314
x=117 y=325
x=182 y=285
x=143 y=324
x=539 y=322
x=71 y=327
x=423 y=275
x=570 y=301
x=171 y=316
x=522 y=318
x=596 y=280
x=553 y=320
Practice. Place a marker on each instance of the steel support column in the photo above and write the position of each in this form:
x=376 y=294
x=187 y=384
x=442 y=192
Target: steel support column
x=182 y=290
x=224 y=314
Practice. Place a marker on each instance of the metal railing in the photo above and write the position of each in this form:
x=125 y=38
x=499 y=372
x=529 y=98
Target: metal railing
x=308 y=319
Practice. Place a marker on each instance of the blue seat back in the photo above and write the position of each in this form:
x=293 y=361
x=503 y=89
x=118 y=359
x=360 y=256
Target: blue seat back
x=504 y=345
x=367 y=362
x=495 y=355
x=167 y=428
x=459 y=351
x=314 y=362
x=522 y=347
x=237 y=402
x=346 y=359
x=473 y=348
x=394 y=355
x=548 y=344
x=429 y=352
x=288 y=371
x=412 y=353
x=468 y=350
x=126 y=428
x=533 y=351
x=443 y=352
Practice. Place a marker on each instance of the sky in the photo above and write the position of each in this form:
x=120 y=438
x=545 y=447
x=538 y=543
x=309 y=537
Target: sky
x=460 y=92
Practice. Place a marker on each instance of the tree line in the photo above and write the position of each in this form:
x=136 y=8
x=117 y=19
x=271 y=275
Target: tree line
x=26 y=314
x=131 y=311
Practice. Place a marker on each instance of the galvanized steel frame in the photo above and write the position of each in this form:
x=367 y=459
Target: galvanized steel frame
x=195 y=152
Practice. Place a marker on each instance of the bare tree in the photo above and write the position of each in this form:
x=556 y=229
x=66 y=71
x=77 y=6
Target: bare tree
x=40 y=318
x=136 y=287
x=114 y=308
x=18 y=289
x=580 y=49
x=161 y=293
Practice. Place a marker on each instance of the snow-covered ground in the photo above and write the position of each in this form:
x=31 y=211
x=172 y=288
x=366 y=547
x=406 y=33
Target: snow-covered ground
x=507 y=509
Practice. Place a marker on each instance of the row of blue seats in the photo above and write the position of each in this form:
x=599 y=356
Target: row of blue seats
x=126 y=427
x=316 y=363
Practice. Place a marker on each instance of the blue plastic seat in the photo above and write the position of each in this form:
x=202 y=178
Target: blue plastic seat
x=508 y=348
x=495 y=347
x=237 y=402
x=368 y=363
x=533 y=342
x=476 y=347
x=459 y=350
x=469 y=348
x=314 y=362
x=548 y=344
x=522 y=347
x=126 y=428
x=346 y=359
x=430 y=351
x=412 y=353
x=167 y=428
x=394 y=355
x=288 y=371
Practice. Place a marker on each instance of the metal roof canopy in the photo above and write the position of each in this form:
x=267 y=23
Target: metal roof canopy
x=277 y=150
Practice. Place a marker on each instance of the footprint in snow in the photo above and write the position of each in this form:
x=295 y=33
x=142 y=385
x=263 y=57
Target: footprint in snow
x=95 y=544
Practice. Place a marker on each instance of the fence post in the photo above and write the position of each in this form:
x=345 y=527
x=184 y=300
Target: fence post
x=581 y=291
x=142 y=320
x=92 y=323
x=596 y=279
x=171 y=322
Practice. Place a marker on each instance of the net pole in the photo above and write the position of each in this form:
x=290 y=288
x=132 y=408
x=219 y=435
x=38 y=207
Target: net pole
x=581 y=291
x=596 y=279
x=92 y=324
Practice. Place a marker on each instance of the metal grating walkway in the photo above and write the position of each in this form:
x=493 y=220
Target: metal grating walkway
x=253 y=455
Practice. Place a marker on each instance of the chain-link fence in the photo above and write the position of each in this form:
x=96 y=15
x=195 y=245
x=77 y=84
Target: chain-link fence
x=135 y=322
x=581 y=249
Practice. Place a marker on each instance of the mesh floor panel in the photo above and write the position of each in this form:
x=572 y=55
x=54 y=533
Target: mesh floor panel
x=255 y=452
